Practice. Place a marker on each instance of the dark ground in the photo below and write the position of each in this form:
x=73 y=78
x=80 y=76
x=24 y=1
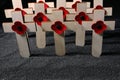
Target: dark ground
x=78 y=64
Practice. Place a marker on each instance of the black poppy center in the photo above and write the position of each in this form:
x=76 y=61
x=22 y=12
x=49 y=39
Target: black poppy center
x=99 y=26
x=58 y=27
x=82 y=17
x=19 y=28
x=40 y=19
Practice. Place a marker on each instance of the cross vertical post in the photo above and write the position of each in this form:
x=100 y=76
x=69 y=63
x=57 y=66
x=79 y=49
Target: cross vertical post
x=40 y=34
x=57 y=15
x=59 y=39
x=80 y=34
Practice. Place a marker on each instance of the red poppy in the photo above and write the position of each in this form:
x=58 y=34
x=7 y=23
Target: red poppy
x=100 y=7
x=39 y=18
x=23 y=12
x=81 y=17
x=65 y=12
x=75 y=5
x=58 y=27
x=19 y=28
x=45 y=5
x=99 y=27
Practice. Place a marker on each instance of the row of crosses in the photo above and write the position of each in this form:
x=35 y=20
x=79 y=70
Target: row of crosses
x=42 y=17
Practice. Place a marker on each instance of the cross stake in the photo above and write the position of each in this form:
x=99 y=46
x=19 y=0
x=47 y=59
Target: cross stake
x=97 y=39
x=22 y=40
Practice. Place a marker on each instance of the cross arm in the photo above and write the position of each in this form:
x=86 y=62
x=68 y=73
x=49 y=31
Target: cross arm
x=110 y=25
x=73 y=25
x=8 y=12
x=32 y=5
x=70 y=26
x=7 y=27
x=29 y=17
x=87 y=25
x=108 y=10
x=72 y=16
x=69 y=4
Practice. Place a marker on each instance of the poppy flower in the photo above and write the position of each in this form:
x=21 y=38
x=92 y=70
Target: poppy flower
x=75 y=5
x=65 y=12
x=23 y=12
x=45 y=5
x=58 y=27
x=39 y=18
x=99 y=27
x=100 y=7
x=19 y=28
x=81 y=17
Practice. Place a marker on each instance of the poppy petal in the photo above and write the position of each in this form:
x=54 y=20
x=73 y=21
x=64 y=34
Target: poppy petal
x=39 y=18
x=19 y=28
x=81 y=16
x=99 y=27
x=23 y=12
x=58 y=27
x=75 y=5
x=45 y=5
x=65 y=12
x=99 y=7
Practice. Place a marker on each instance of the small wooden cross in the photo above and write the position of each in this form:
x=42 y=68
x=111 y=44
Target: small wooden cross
x=59 y=39
x=22 y=40
x=97 y=39
x=81 y=7
x=100 y=3
x=40 y=34
x=17 y=4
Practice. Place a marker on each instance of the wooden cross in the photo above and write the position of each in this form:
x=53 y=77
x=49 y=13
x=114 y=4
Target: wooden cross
x=57 y=15
x=50 y=4
x=97 y=39
x=100 y=2
x=81 y=7
x=17 y=4
x=22 y=40
x=40 y=34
